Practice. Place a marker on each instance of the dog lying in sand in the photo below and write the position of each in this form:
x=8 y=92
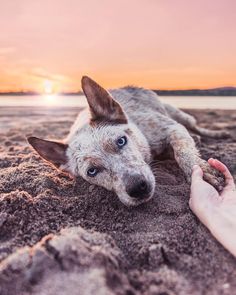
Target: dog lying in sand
x=111 y=143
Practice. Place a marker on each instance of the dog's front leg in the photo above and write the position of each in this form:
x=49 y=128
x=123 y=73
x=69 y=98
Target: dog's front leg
x=187 y=155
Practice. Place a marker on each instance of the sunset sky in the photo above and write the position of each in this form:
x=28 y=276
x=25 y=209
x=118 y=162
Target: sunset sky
x=48 y=45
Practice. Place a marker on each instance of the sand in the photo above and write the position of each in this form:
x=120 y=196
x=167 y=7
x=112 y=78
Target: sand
x=60 y=236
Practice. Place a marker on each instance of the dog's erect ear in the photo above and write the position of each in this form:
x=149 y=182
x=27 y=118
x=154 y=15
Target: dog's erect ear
x=54 y=152
x=103 y=107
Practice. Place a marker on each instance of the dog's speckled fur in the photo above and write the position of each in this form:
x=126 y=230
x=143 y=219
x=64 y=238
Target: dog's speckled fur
x=148 y=124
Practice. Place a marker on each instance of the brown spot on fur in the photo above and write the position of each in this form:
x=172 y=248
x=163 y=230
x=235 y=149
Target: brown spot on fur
x=129 y=132
x=109 y=147
x=152 y=124
x=93 y=161
x=115 y=178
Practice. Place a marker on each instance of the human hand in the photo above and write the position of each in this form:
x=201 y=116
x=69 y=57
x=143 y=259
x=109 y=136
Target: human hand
x=215 y=210
x=212 y=176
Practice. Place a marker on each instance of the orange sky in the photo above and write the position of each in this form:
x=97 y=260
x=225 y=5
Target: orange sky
x=161 y=44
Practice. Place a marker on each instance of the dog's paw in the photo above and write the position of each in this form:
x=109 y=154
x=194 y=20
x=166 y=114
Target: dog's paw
x=214 y=177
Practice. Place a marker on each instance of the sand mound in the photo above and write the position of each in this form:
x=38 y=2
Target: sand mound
x=157 y=248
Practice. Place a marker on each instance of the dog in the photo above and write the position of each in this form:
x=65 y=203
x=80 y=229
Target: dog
x=112 y=141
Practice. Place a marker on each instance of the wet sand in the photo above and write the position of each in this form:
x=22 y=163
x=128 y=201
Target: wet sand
x=59 y=236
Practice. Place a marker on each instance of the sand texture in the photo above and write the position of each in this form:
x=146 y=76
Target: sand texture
x=60 y=236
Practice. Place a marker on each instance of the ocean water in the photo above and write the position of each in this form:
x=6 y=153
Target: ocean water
x=195 y=102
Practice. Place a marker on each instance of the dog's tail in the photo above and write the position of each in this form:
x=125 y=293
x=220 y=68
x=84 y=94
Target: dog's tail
x=210 y=133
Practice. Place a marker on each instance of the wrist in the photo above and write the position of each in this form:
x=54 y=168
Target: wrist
x=210 y=218
x=220 y=221
x=222 y=226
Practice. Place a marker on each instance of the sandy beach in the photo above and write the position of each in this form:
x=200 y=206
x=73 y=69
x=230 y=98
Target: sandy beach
x=60 y=236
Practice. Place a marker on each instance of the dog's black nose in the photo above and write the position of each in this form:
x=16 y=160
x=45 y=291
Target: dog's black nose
x=139 y=188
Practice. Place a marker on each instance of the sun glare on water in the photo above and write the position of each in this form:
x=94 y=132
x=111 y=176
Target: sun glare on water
x=49 y=92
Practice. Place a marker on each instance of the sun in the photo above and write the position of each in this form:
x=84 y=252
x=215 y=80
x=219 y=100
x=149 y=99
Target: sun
x=48 y=87
x=48 y=92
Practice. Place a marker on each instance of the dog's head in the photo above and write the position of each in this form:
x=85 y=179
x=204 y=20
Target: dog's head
x=110 y=151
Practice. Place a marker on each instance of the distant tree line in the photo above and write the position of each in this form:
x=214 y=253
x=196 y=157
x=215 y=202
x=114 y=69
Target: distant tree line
x=224 y=91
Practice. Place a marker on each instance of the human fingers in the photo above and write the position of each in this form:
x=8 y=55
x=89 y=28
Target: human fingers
x=197 y=173
x=225 y=171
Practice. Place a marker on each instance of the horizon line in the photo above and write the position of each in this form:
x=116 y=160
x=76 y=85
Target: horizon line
x=79 y=92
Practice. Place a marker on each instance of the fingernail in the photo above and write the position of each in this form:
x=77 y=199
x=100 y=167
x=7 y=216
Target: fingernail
x=211 y=159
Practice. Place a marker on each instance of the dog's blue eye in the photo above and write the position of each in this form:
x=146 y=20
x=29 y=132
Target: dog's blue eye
x=121 y=141
x=92 y=172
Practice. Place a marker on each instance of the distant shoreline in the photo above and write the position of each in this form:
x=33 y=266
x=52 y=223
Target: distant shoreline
x=223 y=91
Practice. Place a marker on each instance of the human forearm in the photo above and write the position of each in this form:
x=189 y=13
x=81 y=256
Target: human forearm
x=222 y=225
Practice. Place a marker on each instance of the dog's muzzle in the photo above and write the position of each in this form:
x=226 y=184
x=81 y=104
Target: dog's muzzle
x=138 y=187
